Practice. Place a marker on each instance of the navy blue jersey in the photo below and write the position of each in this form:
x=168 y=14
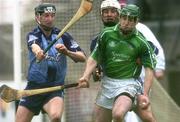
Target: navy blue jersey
x=53 y=68
x=93 y=43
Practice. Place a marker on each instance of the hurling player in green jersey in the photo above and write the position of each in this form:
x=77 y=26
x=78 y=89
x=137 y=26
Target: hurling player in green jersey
x=122 y=51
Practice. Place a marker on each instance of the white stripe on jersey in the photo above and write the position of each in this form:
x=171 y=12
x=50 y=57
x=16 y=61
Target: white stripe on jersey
x=32 y=38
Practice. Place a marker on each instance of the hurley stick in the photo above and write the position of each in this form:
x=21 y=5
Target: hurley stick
x=9 y=94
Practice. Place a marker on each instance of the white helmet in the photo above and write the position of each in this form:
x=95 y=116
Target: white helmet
x=110 y=3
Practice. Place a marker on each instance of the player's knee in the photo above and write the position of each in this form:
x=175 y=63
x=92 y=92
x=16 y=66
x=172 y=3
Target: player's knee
x=159 y=74
x=118 y=116
x=55 y=117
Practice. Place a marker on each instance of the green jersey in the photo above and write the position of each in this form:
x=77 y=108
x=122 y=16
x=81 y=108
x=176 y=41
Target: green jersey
x=118 y=54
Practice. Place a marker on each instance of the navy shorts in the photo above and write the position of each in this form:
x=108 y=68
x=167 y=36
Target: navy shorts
x=35 y=103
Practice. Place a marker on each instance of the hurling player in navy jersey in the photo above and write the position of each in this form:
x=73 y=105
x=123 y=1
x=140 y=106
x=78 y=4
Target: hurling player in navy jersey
x=51 y=69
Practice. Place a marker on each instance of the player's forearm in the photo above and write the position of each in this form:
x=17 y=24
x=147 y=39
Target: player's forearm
x=90 y=66
x=148 y=80
x=77 y=56
x=35 y=48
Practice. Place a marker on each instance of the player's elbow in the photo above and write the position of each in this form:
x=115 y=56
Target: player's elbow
x=80 y=58
x=159 y=74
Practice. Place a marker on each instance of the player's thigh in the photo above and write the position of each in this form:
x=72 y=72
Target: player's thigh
x=101 y=114
x=122 y=105
x=23 y=114
x=54 y=107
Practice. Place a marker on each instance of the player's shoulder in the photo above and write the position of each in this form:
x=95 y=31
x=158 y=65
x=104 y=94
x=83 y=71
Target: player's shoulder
x=34 y=33
x=139 y=36
x=95 y=37
x=34 y=30
x=56 y=30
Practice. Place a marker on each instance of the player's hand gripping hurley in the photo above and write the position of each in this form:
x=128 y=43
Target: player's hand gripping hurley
x=85 y=7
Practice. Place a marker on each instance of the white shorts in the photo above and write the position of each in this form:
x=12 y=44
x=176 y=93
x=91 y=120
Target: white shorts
x=111 y=88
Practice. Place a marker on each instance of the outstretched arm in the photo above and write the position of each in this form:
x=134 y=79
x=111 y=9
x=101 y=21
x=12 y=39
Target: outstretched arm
x=77 y=56
x=143 y=100
x=148 y=80
x=38 y=52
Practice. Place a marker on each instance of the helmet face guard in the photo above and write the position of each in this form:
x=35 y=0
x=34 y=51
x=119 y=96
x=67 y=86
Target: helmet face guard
x=45 y=8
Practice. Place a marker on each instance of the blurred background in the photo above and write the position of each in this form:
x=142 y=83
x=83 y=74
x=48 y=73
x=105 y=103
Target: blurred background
x=17 y=18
